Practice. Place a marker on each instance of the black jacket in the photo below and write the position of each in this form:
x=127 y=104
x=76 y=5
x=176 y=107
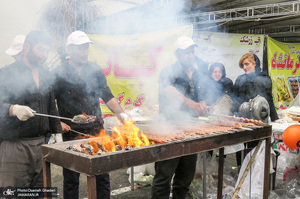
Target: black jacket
x=192 y=88
x=217 y=88
x=17 y=86
x=248 y=86
x=79 y=93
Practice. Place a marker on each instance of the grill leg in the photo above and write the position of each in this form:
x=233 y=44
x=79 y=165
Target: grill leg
x=47 y=176
x=132 y=178
x=204 y=175
x=267 y=168
x=220 y=173
x=91 y=187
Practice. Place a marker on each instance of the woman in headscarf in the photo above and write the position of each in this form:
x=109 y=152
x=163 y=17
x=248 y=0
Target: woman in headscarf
x=254 y=82
x=219 y=83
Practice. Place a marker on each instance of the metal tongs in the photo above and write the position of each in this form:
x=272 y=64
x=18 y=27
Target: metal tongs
x=79 y=119
x=89 y=135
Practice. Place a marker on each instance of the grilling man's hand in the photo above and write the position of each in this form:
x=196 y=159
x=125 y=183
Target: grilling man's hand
x=23 y=113
x=124 y=117
x=65 y=127
x=201 y=108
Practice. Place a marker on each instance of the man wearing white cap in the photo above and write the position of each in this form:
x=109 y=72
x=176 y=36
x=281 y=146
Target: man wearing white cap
x=79 y=86
x=16 y=48
x=179 y=99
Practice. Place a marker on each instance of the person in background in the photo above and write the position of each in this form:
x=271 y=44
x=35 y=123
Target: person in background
x=250 y=84
x=16 y=48
x=179 y=98
x=254 y=82
x=26 y=89
x=79 y=86
x=219 y=84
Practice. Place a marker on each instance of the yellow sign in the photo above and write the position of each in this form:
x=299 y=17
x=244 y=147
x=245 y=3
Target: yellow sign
x=284 y=70
x=132 y=63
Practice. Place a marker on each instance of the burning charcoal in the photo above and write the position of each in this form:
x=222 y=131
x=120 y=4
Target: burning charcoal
x=105 y=150
x=82 y=147
x=118 y=147
x=100 y=146
x=128 y=148
x=77 y=148
x=86 y=146
x=70 y=148
x=88 y=149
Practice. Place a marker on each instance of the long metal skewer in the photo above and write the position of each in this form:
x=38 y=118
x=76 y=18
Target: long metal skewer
x=54 y=116
x=81 y=133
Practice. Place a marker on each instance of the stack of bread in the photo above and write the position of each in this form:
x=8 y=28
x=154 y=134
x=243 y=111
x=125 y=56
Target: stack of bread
x=293 y=113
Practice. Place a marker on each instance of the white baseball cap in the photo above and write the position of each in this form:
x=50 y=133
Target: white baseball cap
x=184 y=42
x=16 y=46
x=77 y=38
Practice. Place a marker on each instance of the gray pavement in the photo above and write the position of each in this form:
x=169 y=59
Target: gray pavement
x=121 y=188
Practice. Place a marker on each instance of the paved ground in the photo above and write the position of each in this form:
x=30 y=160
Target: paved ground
x=120 y=182
x=121 y=188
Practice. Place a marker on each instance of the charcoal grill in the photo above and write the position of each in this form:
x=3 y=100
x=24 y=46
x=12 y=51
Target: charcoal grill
x=93 y=165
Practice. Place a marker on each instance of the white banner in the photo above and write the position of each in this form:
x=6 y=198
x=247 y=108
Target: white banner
x=228 y=49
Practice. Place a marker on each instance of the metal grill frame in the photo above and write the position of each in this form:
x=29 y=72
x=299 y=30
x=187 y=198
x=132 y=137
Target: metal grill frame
x=93 y=165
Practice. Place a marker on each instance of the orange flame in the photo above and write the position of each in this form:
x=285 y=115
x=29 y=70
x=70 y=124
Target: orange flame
x=127 y=135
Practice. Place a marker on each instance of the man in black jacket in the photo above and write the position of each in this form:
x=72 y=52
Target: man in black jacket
x=25 y=89
x=179 y=99
x=79 y=87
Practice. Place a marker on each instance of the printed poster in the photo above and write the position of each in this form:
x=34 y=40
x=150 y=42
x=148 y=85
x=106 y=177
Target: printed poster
x=132 y=63
x=283 y=65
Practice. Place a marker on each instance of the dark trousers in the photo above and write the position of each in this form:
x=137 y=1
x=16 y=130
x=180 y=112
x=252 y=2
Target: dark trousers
x=21 y=163
x=183 y=169
x=71 y=185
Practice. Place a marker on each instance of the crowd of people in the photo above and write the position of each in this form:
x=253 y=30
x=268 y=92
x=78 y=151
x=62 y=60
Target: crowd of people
x=75 y=86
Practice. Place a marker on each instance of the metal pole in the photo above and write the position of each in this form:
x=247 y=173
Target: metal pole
x=204 y=175
x=132 y=178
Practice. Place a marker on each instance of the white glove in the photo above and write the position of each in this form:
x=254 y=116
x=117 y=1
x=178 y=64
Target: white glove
x=124 y=117
x=23 y=113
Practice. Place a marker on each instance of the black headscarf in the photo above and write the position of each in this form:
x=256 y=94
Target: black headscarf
x=257 y=64
x=219 y=65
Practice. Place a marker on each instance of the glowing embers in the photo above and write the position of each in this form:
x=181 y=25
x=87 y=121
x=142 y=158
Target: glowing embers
x=123 y=137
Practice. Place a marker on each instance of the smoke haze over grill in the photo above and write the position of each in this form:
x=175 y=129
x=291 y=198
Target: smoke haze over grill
x=141 y=19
